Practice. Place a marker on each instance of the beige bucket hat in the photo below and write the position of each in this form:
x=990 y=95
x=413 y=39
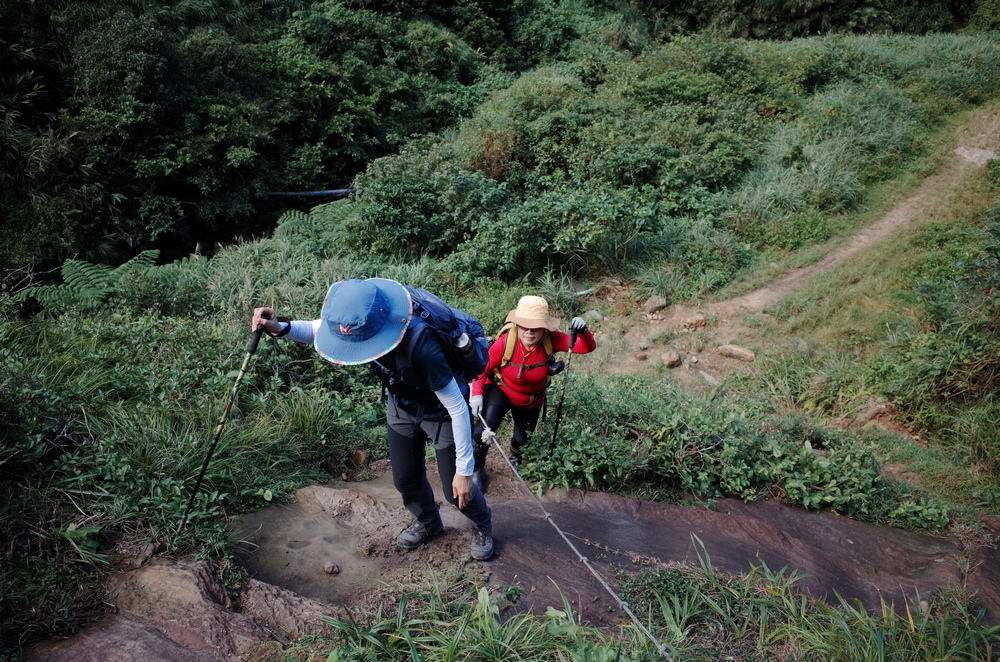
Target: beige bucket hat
x=533 y=313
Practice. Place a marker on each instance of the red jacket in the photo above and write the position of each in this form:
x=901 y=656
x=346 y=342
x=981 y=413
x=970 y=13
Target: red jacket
x=528 y=390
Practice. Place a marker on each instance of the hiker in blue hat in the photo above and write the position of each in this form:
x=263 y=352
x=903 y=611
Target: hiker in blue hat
x=369 y=321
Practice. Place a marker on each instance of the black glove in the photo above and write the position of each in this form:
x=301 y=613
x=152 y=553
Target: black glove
x=577 y=326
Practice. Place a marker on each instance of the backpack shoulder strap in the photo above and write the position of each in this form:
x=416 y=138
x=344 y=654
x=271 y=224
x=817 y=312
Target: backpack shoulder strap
x=547 y=344
x=509 y=334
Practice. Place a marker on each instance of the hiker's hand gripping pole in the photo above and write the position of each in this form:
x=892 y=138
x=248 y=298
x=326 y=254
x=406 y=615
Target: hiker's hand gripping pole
x=251 y=349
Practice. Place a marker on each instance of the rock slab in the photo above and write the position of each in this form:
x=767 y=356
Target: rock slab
x=179 y=612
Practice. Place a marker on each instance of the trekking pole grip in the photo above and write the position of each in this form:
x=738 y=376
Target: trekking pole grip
x=255 y=340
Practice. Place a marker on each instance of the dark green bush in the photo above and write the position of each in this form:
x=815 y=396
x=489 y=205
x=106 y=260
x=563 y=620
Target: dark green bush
x=593 y=224
x=986 y=17
x=417 y=203
x=783 y=19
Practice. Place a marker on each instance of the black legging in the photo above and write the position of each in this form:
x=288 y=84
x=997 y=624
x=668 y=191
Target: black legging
x=496 y=404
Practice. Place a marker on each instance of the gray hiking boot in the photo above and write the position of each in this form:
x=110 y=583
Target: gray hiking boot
x=482 y=542
x=417 y=533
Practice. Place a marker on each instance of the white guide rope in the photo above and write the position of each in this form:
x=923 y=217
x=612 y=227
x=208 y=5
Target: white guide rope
x=491 y=436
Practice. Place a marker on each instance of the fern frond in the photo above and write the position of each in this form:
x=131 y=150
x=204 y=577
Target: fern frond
x=142 y=261
x=56 y=299
x=139 y=264
x=332 y=214
x=296 y=223
x=81 y=275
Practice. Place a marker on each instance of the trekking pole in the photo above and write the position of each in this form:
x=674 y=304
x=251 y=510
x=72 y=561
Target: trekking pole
x=569 y=360
x=254 y=341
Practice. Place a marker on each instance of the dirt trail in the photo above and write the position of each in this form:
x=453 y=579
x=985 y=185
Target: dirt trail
x=932 y=191
x=977 y=143
x=628 y=346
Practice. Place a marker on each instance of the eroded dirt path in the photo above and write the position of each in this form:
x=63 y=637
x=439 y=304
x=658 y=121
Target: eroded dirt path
x=934 y=192
x=626 y=345
x=901 y=215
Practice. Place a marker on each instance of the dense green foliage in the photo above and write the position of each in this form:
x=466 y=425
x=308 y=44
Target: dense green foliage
x=639 y=437
x=678 y=161
x=945 y=375
x=493 y=149
x=126 y=122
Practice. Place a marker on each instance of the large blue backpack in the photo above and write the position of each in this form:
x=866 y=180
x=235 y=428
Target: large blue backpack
x=449 y=325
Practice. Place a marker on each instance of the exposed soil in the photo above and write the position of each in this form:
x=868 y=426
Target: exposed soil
x=631 y=333
x=354 y=524
x=857 y=561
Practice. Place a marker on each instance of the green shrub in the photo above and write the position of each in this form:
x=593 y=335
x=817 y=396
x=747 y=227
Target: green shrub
x=417 y=203
x=593 y=225
x=986 y=17
x=993 y=173
x=659 y=441
x=948 y=364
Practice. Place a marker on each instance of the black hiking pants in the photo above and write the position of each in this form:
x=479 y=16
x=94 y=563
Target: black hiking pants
x=408 y=436
x=496 y=404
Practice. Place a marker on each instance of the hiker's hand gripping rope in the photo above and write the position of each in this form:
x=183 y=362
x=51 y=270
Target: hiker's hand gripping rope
x=476 y=405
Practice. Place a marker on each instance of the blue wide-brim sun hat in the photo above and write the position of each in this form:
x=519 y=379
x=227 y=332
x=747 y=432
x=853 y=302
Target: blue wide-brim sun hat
x=362 y=320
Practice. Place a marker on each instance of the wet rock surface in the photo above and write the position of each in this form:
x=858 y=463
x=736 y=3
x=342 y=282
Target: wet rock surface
x=176 y=610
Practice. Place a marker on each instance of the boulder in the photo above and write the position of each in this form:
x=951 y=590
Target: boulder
x=653 y=304
x=737 y=352
x=671 y=359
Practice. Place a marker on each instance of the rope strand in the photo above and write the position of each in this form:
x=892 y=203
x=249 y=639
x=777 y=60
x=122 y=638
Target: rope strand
x=661 y=649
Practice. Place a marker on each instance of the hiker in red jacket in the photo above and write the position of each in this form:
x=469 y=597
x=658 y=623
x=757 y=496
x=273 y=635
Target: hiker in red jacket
x=518 y=373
